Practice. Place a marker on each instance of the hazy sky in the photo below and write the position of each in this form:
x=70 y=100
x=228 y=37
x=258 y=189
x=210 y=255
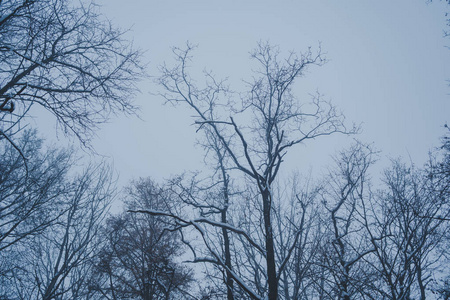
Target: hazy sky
x=387 y=69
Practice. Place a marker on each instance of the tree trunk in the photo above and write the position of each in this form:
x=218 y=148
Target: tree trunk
x=270 y=251
x=226 y=239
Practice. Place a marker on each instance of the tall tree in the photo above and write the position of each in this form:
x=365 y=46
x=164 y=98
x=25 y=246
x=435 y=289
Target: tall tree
x=256 y=149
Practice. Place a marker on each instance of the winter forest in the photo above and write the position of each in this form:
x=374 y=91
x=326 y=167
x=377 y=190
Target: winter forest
x=256 y=217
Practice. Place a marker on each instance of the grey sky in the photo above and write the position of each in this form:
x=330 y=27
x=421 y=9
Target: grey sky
x=388 y=69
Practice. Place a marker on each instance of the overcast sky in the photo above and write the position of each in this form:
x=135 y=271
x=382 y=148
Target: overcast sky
x=387 y=69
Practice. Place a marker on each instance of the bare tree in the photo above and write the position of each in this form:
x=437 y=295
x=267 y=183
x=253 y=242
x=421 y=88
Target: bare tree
x=256 y=149
x=297 y=223
x=217 y=202
x=26 y=202
x=345 y=245
x=138 y=258
x=438 y=170
x=406 y=233
x=59 y=258
x=49 y=221
x=67 y=59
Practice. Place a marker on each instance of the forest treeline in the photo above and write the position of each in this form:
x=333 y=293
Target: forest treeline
x=241 y=228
